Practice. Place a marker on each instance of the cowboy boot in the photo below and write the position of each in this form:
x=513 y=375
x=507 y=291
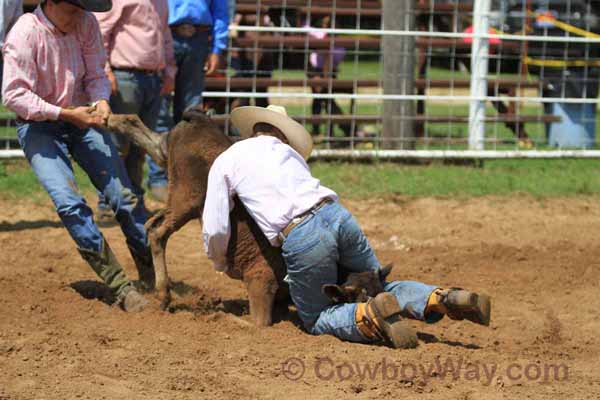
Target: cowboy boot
x=379 y=320
x=459 y=304
x=145 y=267
x=107 y=267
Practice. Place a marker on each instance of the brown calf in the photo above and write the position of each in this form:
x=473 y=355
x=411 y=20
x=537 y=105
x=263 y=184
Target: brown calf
x=187 y=152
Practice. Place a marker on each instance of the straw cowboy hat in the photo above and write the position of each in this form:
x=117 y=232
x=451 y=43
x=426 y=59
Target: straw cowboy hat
x=244 y=119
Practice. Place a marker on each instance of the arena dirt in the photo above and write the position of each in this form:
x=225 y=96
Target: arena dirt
x=539 y=260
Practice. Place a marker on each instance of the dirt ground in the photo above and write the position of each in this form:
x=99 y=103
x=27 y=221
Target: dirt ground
x=539 y=260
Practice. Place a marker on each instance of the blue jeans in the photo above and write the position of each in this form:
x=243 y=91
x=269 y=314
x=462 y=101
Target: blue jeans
x=47 y=146
x=313 y=251
x=190 y=55
x=577 y=126
x=138 y=93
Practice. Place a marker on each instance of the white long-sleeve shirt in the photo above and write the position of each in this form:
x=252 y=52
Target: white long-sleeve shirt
x=273 y=182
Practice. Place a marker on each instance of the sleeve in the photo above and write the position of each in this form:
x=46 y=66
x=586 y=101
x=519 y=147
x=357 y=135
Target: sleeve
x=107 y=22
x=95 y=80
x=216 y=228
x=20 y=75
x=220 y=29
x=171 y=67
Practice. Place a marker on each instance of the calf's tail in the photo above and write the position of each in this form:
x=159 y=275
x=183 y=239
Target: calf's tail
x=132 y=127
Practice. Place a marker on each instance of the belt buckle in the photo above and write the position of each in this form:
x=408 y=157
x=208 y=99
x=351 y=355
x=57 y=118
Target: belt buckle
x=185 y=30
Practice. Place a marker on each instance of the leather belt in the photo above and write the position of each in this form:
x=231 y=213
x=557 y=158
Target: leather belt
x=300 y=218
x=138 y=70
x=189 y=30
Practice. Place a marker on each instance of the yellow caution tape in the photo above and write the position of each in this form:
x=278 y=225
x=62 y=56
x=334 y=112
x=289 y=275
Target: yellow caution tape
x=568 y=28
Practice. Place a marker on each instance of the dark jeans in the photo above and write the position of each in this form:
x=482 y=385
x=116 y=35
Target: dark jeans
x=139 y=93
x=190 y=55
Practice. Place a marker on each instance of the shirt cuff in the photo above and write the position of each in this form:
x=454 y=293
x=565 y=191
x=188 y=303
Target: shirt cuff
x=51 y=112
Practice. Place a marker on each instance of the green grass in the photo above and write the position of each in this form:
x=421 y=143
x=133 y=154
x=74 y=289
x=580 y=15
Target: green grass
x=539 y=178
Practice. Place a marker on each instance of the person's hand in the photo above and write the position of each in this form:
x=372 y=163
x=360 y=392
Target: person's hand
x=167 y=85
x=81 y=117
x=211 y=64
x=113 y=82
x=103 y=109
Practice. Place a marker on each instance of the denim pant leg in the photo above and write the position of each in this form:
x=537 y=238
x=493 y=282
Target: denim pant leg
x=138 y=94
x=45 y=145
x=96 y=153
x=412 y=297
x=190 y=55
x=311 y=255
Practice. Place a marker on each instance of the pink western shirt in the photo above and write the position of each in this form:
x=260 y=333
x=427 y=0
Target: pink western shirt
x=136 y=35
x=46 y=70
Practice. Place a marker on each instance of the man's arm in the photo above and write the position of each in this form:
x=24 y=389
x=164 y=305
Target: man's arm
x=107 y=22
x=220 y=32
x=95 y=79
x=168 y=79
x=20 y=76
x=215 y=218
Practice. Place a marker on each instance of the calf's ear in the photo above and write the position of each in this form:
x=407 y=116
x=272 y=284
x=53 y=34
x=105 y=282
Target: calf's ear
x=385 y=271
x=334 y=292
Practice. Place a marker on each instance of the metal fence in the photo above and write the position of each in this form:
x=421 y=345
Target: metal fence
x=418 y=78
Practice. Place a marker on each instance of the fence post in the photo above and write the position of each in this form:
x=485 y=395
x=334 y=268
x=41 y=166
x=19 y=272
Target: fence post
x=398 y=75
x=479 y=72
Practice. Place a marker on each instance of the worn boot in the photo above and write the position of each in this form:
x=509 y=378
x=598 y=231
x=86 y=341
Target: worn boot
x=380 y=319
x=107 y=267
x=131 y=300
x=145 y=267
x=460 y=304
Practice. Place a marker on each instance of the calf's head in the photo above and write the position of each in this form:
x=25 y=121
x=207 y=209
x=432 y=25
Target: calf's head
x=358 y=287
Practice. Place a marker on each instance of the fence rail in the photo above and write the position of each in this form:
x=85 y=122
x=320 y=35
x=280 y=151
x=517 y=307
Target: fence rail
x=473 y=79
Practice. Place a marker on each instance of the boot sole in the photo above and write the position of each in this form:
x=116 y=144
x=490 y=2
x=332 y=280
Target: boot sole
x=474 y=307
x=483 y=309
x=387 y=311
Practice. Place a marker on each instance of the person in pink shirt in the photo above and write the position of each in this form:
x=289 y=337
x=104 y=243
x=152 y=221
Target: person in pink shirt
x=141 y=68
x=53 y=70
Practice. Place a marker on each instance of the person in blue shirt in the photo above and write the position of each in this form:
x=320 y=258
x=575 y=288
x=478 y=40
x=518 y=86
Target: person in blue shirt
x=200 y=31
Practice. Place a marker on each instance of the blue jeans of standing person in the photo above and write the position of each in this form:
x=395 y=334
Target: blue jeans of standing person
x=190 y=55
x=47 y=146
x=314 y=250
x=138 y=93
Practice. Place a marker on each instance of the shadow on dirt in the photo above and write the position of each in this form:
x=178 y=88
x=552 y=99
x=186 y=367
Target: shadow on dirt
x=193 y=300
x=429 y=338
x=27 y=225
x=94 y=290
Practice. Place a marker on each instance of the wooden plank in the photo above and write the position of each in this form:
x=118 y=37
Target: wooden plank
x=433 y=119
x=371 y=43
x=363 y=11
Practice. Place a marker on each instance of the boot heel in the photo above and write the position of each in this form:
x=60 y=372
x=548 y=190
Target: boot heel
x=387 y=306
x=463 y=299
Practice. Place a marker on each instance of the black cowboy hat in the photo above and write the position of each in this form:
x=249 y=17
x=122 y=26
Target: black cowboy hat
x=92 y=5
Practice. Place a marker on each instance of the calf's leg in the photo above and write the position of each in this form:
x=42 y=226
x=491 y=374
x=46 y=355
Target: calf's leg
x=262 y=286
